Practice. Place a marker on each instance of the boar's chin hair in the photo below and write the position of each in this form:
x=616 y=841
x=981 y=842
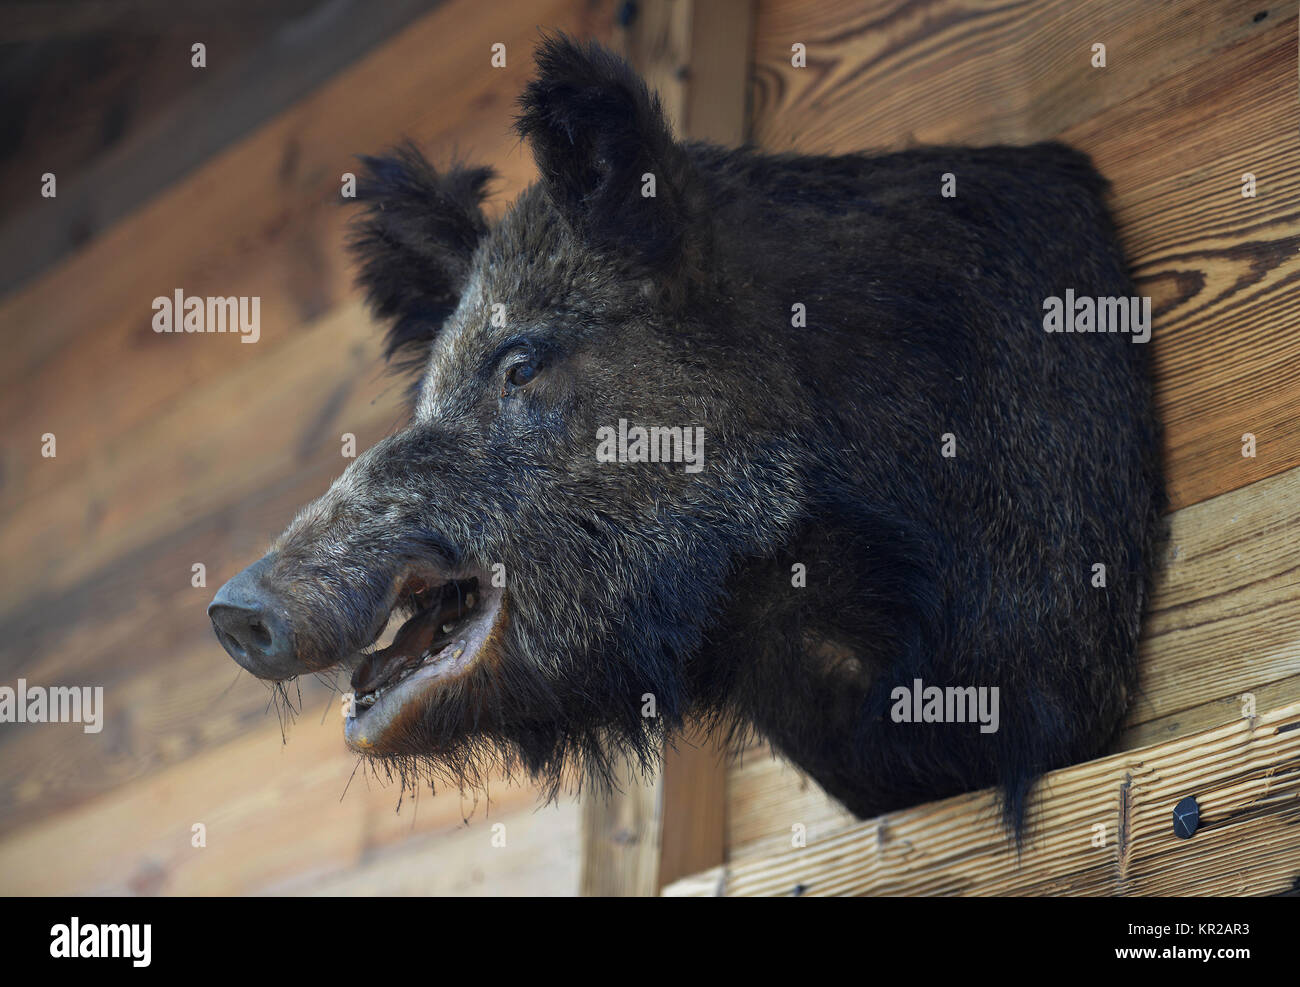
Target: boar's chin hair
x=564 y=701
x=511 y=722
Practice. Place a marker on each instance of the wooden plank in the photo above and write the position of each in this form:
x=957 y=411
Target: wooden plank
x=620 y=839
x=1223 y=622
x=288 y=819
x=228 y=436
x=696 y=56
x=1220 y=268
x=694 y=814
x=98 y=544
x=262 y=58
x=657 y=42
x=262 y=219
x=766 y=796
x=892 y=73
x=717 y=96
x=538 y=858
x=1218 y=711
x=30 y=20
x=1224 y=618
x=1107 y=830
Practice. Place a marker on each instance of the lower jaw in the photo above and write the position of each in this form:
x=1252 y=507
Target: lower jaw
x=370 y=730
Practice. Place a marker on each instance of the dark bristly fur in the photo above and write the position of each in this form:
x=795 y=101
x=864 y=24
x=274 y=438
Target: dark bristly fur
x=419 y=232
x=822 y=448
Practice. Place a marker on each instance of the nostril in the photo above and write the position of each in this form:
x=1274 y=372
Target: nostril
x=245 y=633
x=231 y=644
x=235 y=629
x=260 y=635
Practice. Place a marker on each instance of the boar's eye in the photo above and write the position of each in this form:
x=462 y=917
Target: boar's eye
x=521 y=373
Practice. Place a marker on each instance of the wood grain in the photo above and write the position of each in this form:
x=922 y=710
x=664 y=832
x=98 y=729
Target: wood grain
x=694 y=806
x=1192 y=96
x=176 y=450
x=1225 y=616
x=1107 y=830
x=134 y=114
x=261 y=219
x=289 y=819
x=620 y=840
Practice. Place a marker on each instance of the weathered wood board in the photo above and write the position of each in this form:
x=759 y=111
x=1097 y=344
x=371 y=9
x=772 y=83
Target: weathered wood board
x=176 y=450
x=1106 y=829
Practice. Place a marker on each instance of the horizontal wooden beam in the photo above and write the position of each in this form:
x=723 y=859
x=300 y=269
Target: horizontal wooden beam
x=1106 y=828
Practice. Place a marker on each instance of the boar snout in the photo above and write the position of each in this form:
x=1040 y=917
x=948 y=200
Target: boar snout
x=250 y=625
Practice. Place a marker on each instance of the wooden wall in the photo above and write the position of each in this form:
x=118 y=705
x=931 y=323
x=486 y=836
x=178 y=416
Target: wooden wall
x=1193 y=96
x=175 y=450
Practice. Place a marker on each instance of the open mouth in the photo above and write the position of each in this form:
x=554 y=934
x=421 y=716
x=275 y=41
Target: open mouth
x=448 y=626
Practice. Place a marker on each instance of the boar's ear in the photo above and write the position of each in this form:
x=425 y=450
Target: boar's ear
x=414 y=240
x=596 y=131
